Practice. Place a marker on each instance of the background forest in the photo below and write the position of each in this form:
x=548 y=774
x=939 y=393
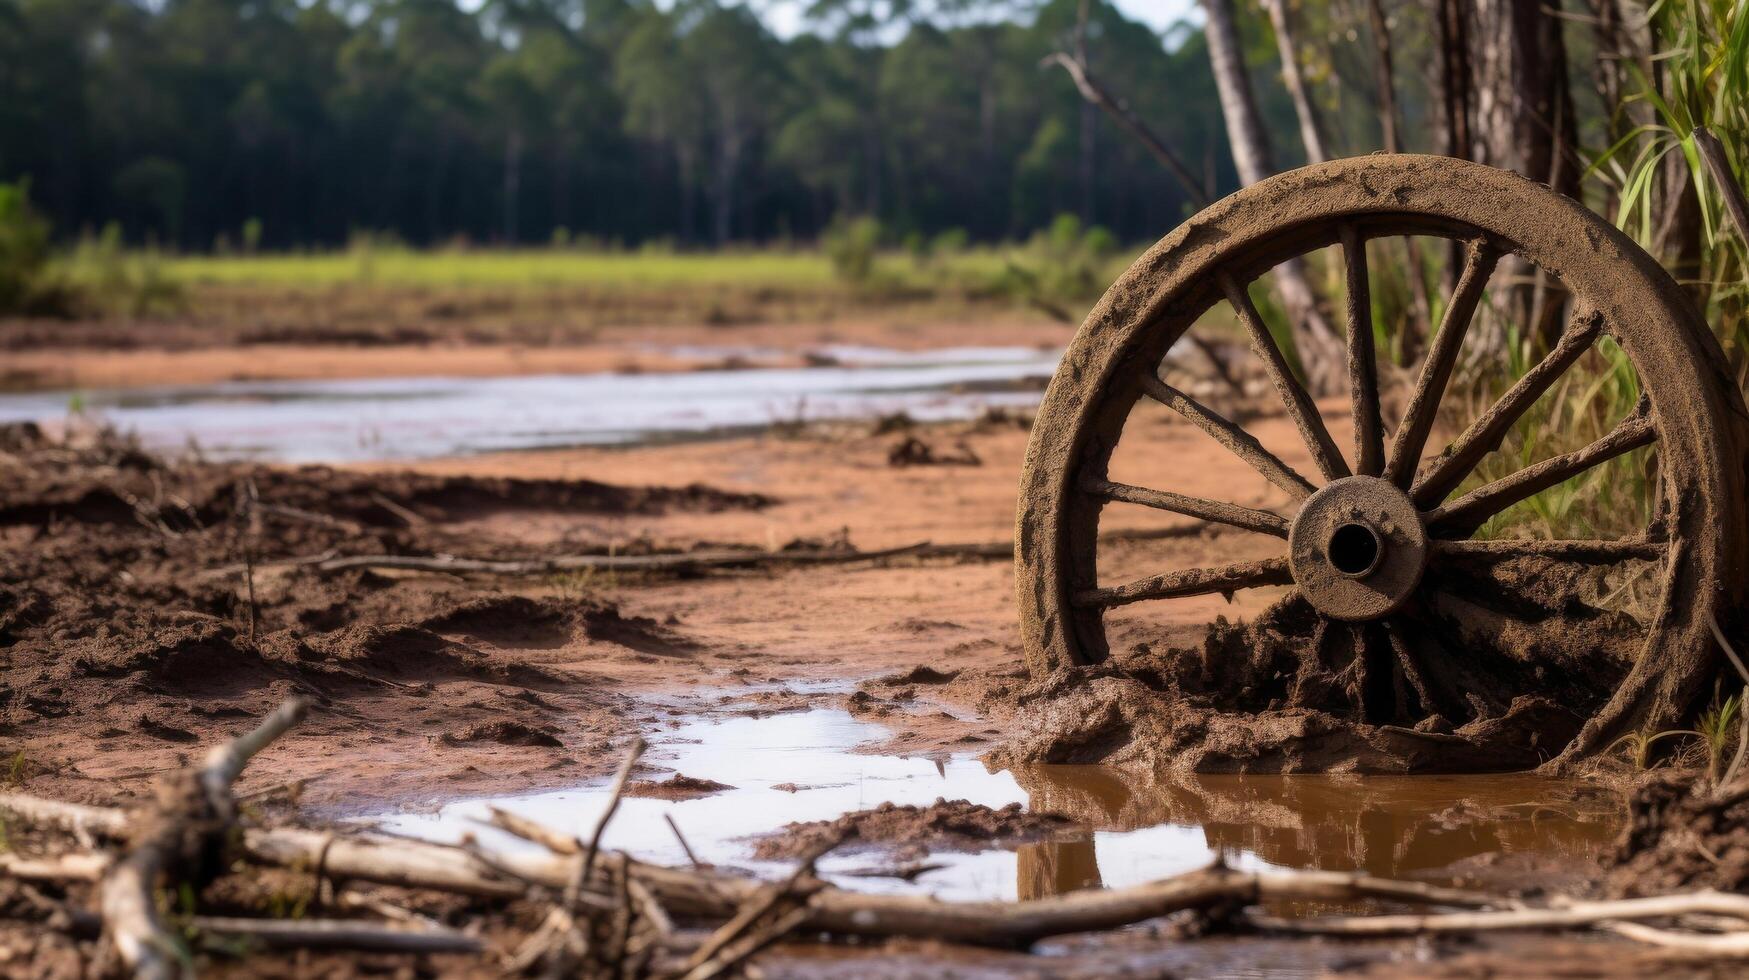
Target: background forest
x=279 y=123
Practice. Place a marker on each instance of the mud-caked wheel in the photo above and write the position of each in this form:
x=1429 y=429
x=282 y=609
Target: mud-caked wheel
x=1375 y=545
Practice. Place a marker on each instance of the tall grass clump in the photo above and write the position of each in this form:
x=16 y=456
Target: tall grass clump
x=29 y=285
x=112 y=279
x=1696 y=75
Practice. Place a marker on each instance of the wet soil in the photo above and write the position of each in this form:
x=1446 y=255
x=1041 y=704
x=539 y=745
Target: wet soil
x=1682 y=835
x=142 y=615
x=52 y=355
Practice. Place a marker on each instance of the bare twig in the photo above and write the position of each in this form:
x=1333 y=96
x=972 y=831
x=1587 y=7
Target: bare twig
x=341 y=934
x=1719 y=166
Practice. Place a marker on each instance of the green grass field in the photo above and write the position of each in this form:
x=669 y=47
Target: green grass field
x=636 y=271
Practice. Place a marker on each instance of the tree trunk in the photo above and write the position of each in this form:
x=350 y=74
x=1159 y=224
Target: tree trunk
x=1524 y=122
x=1319 y=349
x=512 y=182
x=1410 y=342
x=1311 y=131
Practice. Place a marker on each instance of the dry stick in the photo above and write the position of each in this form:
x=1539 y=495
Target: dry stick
x=699 y=965
x=1733 y=944
x=1126 y=118
x=341 y=934
x=1713 y=153
x=633 y=753
x=684 y=846
x=61 y=867
x=656 y=563
x=126 y=897
x=1578 y=914
x=73 y=817
x=741 y=949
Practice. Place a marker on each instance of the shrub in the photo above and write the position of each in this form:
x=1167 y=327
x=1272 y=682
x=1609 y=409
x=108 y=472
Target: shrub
x=28 y=287
x=851 y=245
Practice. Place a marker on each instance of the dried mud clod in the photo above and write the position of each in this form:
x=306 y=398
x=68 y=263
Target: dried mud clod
x=1288 y=693
x=911 y=831
x=676 y=787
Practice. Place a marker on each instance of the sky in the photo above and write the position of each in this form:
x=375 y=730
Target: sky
x=784 y=17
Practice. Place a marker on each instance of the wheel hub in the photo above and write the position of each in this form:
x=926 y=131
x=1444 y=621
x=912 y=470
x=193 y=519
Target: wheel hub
x=1357 y=548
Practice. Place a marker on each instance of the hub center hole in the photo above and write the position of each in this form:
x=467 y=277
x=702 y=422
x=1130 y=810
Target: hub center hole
x=1354 y=549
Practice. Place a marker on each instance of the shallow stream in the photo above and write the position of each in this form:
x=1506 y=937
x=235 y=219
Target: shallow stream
x=358 y=419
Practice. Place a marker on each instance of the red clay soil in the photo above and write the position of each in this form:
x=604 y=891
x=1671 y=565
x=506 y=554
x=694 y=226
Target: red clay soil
x=140 y=618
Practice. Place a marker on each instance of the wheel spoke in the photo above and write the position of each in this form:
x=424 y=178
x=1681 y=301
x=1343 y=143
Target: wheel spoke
x=1583 y=552
x=1239 y=442
x=1436 y=371
x=1217 y=511
x=1462 y=516
x=1293 y=394
x=1189 y=582
x=1484 y=434
x=1363 y=370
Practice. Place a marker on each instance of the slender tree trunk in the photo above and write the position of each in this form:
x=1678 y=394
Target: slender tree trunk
x=1524 y=122
x=1409 y=342
x=1311 y=130
x=1084 y=165
x=1319 y=349
x=512 y=182
x=1389 y=124
x=1455 y=104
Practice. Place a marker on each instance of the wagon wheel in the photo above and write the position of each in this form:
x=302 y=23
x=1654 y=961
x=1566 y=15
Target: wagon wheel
x=1369 y=540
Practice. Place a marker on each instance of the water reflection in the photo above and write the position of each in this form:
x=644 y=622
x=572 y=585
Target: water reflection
x=804 y=766
x=327 y=420
x=1389 y=826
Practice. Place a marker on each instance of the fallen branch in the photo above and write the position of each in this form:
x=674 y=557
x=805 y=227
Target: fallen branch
x=670 y=563
x=340 y=934
x=191 y=813
x=1514 y=920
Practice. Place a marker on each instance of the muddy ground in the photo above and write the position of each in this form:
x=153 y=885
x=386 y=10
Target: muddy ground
x=152 y=606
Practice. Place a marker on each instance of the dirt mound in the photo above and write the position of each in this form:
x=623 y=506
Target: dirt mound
x=920 y=674
x=955 y=825
x=506 y=733
x=1288 y=694
x=1681 y=836
x=676 y=787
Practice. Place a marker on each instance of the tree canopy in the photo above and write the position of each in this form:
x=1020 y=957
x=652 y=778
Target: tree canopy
x=188 y=121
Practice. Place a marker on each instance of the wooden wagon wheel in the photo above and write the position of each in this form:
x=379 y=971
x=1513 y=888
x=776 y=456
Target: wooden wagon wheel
x=1361 y=544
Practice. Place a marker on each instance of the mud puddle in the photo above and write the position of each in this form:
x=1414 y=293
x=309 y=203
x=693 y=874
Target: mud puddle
x=1125 y=828
x=359 y=419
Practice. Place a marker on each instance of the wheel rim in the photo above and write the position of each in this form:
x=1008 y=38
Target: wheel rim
x=1389 y=500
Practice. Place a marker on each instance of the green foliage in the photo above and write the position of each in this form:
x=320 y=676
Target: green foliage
x=112 y=279
x=1062 y=270
x=1701 y=78
x=27 y=284
x=851 y=245
x=620 y=120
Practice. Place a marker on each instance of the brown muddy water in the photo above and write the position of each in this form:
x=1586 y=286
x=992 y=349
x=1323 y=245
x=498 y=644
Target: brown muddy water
x=806 y=766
